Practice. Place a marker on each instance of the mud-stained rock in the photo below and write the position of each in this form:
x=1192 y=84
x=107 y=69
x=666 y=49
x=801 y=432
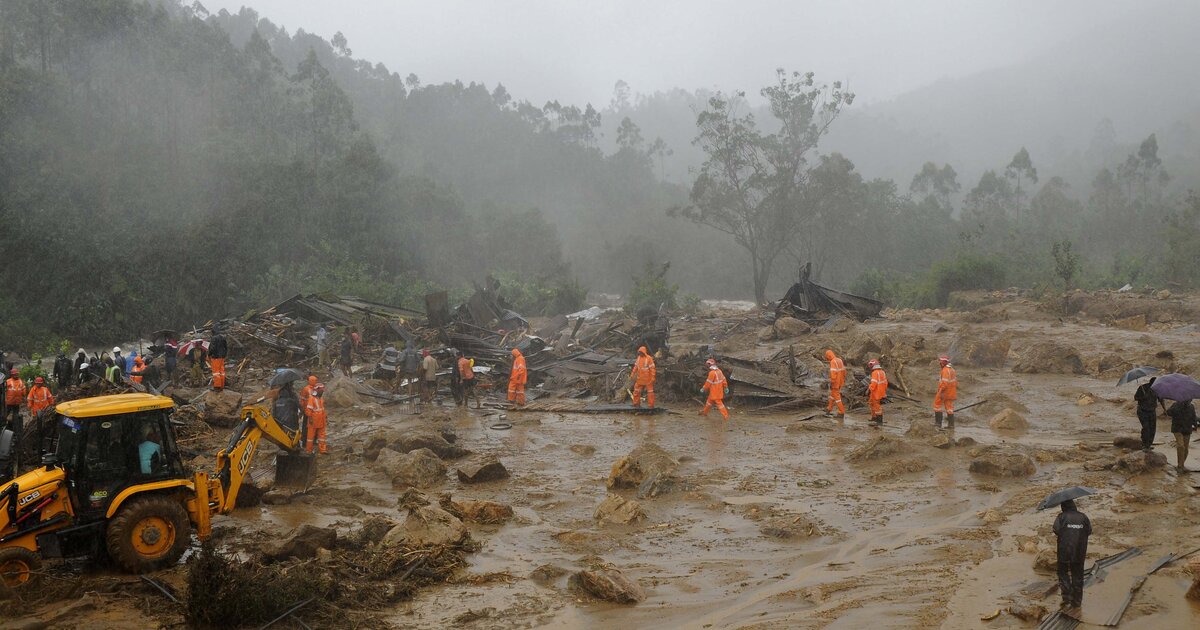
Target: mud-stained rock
x=303 y=544
x=1049 y=358
x=609 y=585
x=661 y=484
x=341 y=393
x=789 y=527
x=878 y=447
x=1008 y=420
x=921 y=427
x=1046 y=561
x=221 y=407
x=1193 y=592
x=547 y=574
x=373 y=529
x=619 y=510
x=992 y=516
x=427 y=525
x=583 y=450
x=435 y=442
x=1027 y=610
x=940 y=440
x=965 y=442
x=788 y=327
x=1125 y=441
x=1133 y=322
x=373 y=447
x=642 y=463
x=582 y=539
x=482 y=470
x=418 y=469
x=275 y=497
x=1139 y=462
x=482 y=512
x=999 y=463
x=810 y=426
x=895 y=468
x=970 y=350
x=1110 y=365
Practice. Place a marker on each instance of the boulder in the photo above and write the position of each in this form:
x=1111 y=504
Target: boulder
x=418 y=469
x=941 y=440
x=1008 y=420
x=435 y=442
x=1125 y=441
x=810 y=426
x=483 y=512
x=341 y=393
x=583 y=450
x=968 y=350
x=921 y=428
x=660 y=484
x=642 y=463
x=998 y=463
x=1139 y=462
x=1049 y=358
x=274 y=497
x=374 y=528
x=303 y=544
x=547 y=574
x=878 y=447
x=965 y=442
x=1193 y=593
x=479 y=471
x=1133 y=322
x=1046 y=561
x=373 y=447
x=609 y=585
x=788 y=327
x=619 y=510
x=427 y=525
x=221 y=407
x=789 y=527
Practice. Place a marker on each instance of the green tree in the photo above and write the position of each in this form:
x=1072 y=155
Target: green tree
x=939 y=183
x=751 y=183
x=1066 y=263
x=1020 y=169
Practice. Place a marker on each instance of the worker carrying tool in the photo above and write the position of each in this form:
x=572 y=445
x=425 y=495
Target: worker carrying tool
x=876 y=391
x=716 y=386
x=315 y=412
x=644 y=374
x=837 y=380
x=517 y=377
x=218 y=349
x=39 y=397
x=947 y=391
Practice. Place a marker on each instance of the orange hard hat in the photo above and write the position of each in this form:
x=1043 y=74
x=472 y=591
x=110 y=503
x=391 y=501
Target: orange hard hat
x=39 y=380
x=829 y=354
x=944 y=359
x=643 y=350
x=312 y=379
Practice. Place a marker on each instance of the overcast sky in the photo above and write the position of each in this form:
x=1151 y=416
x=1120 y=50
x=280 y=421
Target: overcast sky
x=575 y=51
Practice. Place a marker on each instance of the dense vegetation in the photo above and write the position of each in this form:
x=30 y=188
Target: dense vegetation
x=160 y=166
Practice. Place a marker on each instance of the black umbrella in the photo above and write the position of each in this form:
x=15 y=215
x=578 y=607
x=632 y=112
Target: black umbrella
x=285 y=375
x=1063 y=496
x=1136 y=373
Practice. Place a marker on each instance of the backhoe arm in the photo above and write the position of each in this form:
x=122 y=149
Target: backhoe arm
x=233 y=463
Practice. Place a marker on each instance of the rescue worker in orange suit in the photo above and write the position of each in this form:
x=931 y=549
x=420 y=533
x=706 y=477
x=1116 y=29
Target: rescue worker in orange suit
x=644 y=375
x=305 y=394
x=218 y=349
x=517 y=378
x=39 y=397
x=716 y=386
x=139 y=366
x=837 y=380
x=314 y=411
x=14 y=397
x=947 y=391
x=876 y=391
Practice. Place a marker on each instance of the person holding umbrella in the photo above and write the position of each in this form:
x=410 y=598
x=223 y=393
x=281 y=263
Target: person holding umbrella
x=1183 y=421
x=1072 y=528
x=1147 y=412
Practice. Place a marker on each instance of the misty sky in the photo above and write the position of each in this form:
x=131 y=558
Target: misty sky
x=574 y=51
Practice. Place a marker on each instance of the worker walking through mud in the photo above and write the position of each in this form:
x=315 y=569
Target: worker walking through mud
x=429 y=370
x=716 y=387
x=305 y=394
x=517 y=376
x=314 y=411
x=218 y=349
x=837 y=380
x=466 y=372
x=1183 y=422
x=1072 y=528
x=644 y=374
x=876 y=391
x=947 y=392
x=1147 y=412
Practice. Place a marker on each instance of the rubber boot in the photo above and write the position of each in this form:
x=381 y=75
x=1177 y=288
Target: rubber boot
x=949 y=421
x=937 y=419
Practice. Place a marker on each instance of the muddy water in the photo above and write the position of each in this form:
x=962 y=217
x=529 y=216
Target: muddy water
x=886 y=548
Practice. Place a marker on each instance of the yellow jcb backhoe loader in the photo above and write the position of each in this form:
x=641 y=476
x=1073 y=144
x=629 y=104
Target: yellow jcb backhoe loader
x=115 y=484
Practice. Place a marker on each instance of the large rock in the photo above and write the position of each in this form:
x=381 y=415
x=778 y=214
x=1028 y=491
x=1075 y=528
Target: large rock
x=479 y=471
x=303 y=544
x=1125 y=441
x=435 y=442
x=418 y=469
x=997 y=463
x=619 y=510
x=1049 y=358
x=609 y=585
x=642 y=463
x=1193 y=593
x=1008 y=420
x=983 y=351
x=427 y=525
x=788 y=327
x=341 y=393
x=484 y=512
x=879 y=447
x=221 y=407
x=1139 y=462
x=921 y=427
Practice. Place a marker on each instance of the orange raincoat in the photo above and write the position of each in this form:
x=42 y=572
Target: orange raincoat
x=644 y=374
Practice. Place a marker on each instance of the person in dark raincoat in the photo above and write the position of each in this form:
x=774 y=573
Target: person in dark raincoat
x=1183 y=421
x=1147 y=412
x=1072 y=528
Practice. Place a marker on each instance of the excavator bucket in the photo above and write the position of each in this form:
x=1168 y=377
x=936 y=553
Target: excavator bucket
x=295 y=469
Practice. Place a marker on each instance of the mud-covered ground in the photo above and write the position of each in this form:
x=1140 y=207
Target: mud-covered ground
x=790 y=523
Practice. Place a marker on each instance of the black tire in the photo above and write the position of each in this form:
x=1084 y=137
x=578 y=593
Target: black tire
x=148 y=533
x=19 y=568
